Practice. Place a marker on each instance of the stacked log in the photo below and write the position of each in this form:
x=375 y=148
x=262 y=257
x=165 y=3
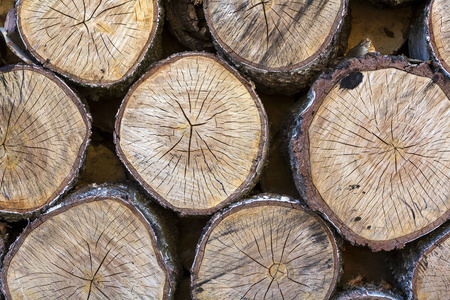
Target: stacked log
x=193 y=132
x=370 y=150
x=270 y=247
x=44 y=132
x=101 y=242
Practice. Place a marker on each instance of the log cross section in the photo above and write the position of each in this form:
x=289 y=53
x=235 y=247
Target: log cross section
x=193 y=132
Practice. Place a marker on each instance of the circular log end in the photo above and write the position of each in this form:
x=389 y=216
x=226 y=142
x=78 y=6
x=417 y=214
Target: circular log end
x=267 y=247
x=372 y=149
x=274 y=35
x=44 y=132
x=193 y=132
x=97 y=246
x=95 y=43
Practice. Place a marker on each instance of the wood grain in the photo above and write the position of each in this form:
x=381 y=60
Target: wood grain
x=268 y=248
x=44 y=131
x=193 y=133
x=94 y=41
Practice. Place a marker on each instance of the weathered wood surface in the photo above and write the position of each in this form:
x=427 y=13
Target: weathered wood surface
x=187 y=23
x=267 y=247
x=371 y=154
x=193 y=132
x=44 y=132
x=94 y=43
x=281 y=45
x=102 y=242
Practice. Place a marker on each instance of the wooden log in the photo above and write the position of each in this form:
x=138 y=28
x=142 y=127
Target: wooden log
x=429 y=37
x=422 y=268
x=281 y=45
x=371 y=150
x=193 y=132
x=44 y=132
x=267 y=247
x=187 y=23
x=102 y=242
x=96 y=43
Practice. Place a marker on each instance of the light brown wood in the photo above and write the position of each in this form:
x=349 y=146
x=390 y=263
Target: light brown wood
x=44 y=131
x=440 y=31
x=97 y=245
x=280 y=44
x=93 y=42
x=193 y=132
x=268 y=247
x=378 y=150
x=432 y=273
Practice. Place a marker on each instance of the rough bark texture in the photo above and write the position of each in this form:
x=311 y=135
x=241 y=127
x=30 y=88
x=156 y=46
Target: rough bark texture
x=267 y=247
x=282 y=46
x=365 y=153
x=102 y=241
x=422 y=268
x=429 y=37
x=211 y=138
x=187 y=23
x=96 y=43
x=44 y=132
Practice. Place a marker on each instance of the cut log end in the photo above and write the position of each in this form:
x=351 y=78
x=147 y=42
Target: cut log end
x=95 y=246
x=273 y=35
x=432 y=271
x=44 y=131
x=96 y=43
x=193 y=132
x=375 y=148
x=281 y=45
x=267 y=247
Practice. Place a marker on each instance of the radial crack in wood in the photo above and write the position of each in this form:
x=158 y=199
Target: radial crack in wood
x=372 y=151
x=93 y=42
x=97 y=245
x=284 y=38
x=193 y=132
x=269 y=247
x=44 y=131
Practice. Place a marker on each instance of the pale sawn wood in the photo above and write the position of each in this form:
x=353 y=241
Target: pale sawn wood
x=267 y=247
x=96 y=43
x=44 y=132
x=193 y=132
x=279 y=44
x=371 y=150
x=102 y=242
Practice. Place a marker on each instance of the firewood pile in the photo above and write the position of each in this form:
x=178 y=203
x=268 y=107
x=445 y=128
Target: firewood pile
x=218 y=149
